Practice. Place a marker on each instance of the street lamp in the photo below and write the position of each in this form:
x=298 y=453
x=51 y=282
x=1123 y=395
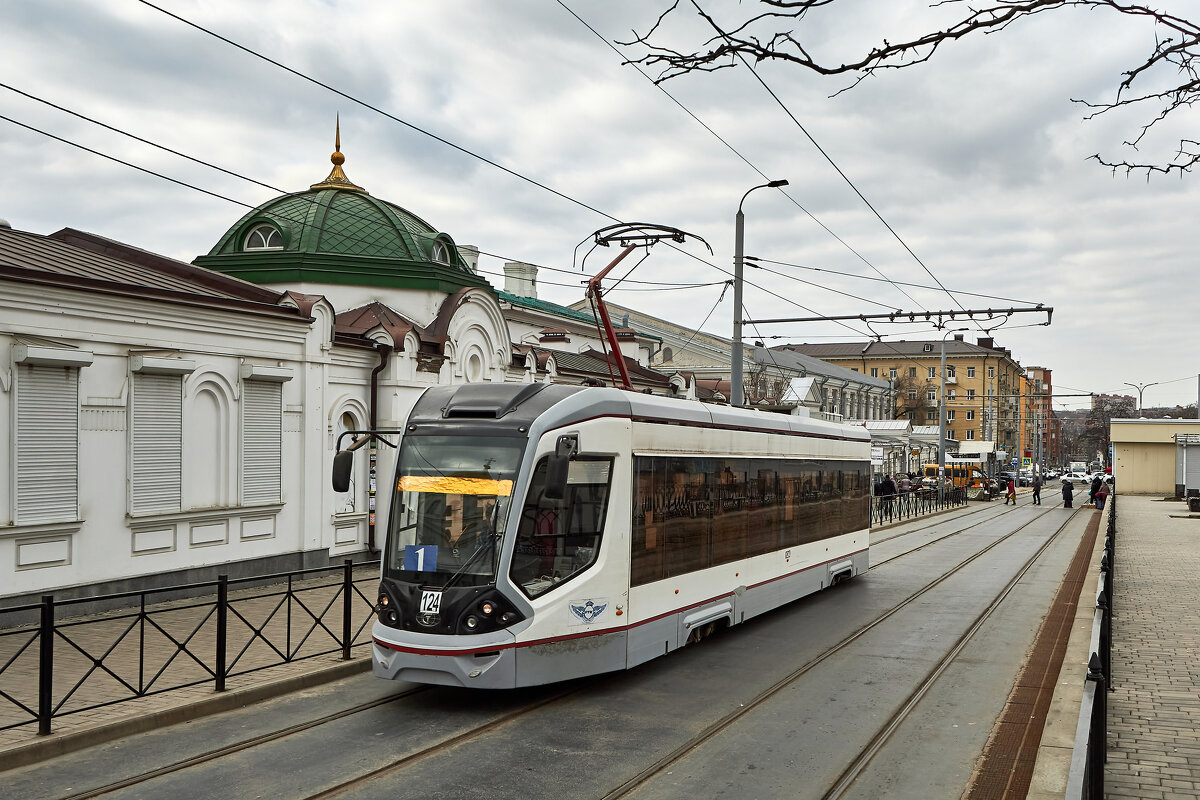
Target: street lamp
x=736 y=396
x=1141 y=387
x=942 y=418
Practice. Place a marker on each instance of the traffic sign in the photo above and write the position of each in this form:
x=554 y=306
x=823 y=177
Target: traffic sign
x=1014 y=461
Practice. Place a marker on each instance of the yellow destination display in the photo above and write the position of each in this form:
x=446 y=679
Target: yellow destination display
x=447 y=485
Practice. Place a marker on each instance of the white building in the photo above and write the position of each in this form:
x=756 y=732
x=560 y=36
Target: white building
x=165 y=422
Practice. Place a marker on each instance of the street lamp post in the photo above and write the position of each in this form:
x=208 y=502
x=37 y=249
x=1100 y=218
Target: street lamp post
x=942 y=419
x=736 y=395
x=1141 y=387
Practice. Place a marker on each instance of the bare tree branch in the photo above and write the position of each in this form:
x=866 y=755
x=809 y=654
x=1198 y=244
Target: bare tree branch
x=761 y=36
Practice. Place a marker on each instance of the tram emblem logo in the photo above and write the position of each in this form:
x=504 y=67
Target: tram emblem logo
x=587 y=611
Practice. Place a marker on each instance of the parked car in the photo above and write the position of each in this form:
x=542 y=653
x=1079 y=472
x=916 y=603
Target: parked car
x=1026 y=478
x=1076 y=477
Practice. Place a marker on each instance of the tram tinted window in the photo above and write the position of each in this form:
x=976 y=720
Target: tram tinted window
x=557 y=539
x=694 y=513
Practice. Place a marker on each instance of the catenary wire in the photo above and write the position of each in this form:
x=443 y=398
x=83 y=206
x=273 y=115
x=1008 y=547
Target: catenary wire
x=407 y=124
x=828 y=158
x=376 y=109
x=232 y=173
x=750 y=261
x=731 y=148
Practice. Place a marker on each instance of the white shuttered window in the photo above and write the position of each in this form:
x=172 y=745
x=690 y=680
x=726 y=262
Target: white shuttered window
x=156 y=453
x=47 y=439
x=262 y=421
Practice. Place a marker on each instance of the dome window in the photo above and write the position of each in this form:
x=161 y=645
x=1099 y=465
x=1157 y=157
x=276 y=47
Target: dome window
x=441 y=253
x=263 y=237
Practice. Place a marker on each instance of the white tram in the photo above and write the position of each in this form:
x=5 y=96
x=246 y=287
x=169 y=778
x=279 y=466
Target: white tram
x=544 y=532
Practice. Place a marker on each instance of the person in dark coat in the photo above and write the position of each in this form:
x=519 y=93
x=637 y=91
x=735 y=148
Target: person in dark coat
x=1097 y=482
x=1037 y=488
x=887 y=490
x=1068 y=492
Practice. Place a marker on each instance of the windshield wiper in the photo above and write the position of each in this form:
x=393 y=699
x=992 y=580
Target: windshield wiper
x=488 y=539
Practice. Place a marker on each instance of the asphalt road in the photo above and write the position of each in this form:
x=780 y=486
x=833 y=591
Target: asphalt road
x=694 y=724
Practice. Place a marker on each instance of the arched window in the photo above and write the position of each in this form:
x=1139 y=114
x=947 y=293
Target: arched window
x=263 y=237
x=441 y=253
x=668 y=355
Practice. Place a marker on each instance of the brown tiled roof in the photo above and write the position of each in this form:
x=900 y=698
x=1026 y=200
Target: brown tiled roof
x=74 y=259
x=359 y=321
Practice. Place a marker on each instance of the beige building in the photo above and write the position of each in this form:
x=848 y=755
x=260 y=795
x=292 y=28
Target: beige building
x=1145 y=453
x=982 y=383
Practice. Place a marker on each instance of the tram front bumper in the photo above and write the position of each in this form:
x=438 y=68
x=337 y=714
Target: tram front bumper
x=475 y=668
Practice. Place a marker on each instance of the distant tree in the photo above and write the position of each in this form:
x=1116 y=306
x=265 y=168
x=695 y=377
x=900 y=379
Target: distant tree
x=1096 y=425
x=774 y=30
x=908 y=407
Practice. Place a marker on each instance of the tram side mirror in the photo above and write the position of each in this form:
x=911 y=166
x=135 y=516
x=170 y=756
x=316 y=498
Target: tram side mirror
x=343 y=462
x=559 y=465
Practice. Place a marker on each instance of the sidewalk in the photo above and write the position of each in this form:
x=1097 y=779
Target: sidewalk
x=1154 y=707
x=303 y=624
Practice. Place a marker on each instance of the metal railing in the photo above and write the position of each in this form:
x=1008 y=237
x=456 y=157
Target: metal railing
x=58 y=666
x=886 y=509
x=1086 y=777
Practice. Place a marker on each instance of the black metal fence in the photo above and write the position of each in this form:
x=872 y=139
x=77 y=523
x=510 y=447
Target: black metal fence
x=224 y=628
x=1086 y=778
x=886 y=509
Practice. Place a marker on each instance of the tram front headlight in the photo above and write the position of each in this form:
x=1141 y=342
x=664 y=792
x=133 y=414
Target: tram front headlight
x=471 y=622
x=487 y=607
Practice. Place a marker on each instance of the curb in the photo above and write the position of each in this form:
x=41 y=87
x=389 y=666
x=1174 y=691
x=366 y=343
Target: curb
x=56 y=745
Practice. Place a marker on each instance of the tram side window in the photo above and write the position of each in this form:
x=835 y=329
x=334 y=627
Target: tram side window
x=693 y=513
x=557 y=539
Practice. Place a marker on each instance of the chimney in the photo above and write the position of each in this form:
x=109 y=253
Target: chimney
x=520 y=279
x=470 y=254
x=986 y=341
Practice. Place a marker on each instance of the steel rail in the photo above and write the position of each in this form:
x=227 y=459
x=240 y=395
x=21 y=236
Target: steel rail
x=679 y=752
x=851 y=773
x=238 y=747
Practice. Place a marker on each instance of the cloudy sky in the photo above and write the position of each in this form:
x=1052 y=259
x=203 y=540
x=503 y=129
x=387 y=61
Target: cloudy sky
x=977 y=160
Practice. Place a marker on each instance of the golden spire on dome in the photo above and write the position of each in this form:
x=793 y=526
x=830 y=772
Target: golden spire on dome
x=337 y=179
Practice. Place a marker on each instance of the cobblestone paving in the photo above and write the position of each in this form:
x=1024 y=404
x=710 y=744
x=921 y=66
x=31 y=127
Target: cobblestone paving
x=1154 y=708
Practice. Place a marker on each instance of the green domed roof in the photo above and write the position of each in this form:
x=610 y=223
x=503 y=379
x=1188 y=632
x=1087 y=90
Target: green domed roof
x=338 y=233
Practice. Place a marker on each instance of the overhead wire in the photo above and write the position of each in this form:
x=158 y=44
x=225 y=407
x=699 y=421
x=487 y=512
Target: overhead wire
x=328 y=87
x=394 y=118
x=827 y=157
x=755 y=260
x=248 y=179
x=418 y=129
x=731 y=148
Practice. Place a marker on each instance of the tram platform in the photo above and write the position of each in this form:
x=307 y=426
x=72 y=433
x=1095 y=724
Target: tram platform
x=1154 y=708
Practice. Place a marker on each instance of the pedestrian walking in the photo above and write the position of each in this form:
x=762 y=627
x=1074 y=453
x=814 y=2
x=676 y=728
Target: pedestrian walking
x=1068 y=491
x=1037 y=489
x=1011 y=493
x=1097 y=482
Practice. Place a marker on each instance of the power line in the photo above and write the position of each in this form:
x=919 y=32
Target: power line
x=750 y=260
x=376 y=109
x=828 y=158
x=731 y=148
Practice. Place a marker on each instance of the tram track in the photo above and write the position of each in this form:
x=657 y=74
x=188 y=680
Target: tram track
x=931 y=542
x=663 y=764
x=246 y=744
x=856 y=767
x=480 y=731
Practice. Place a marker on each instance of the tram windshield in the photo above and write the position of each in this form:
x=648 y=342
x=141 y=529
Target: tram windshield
x=452 y=498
